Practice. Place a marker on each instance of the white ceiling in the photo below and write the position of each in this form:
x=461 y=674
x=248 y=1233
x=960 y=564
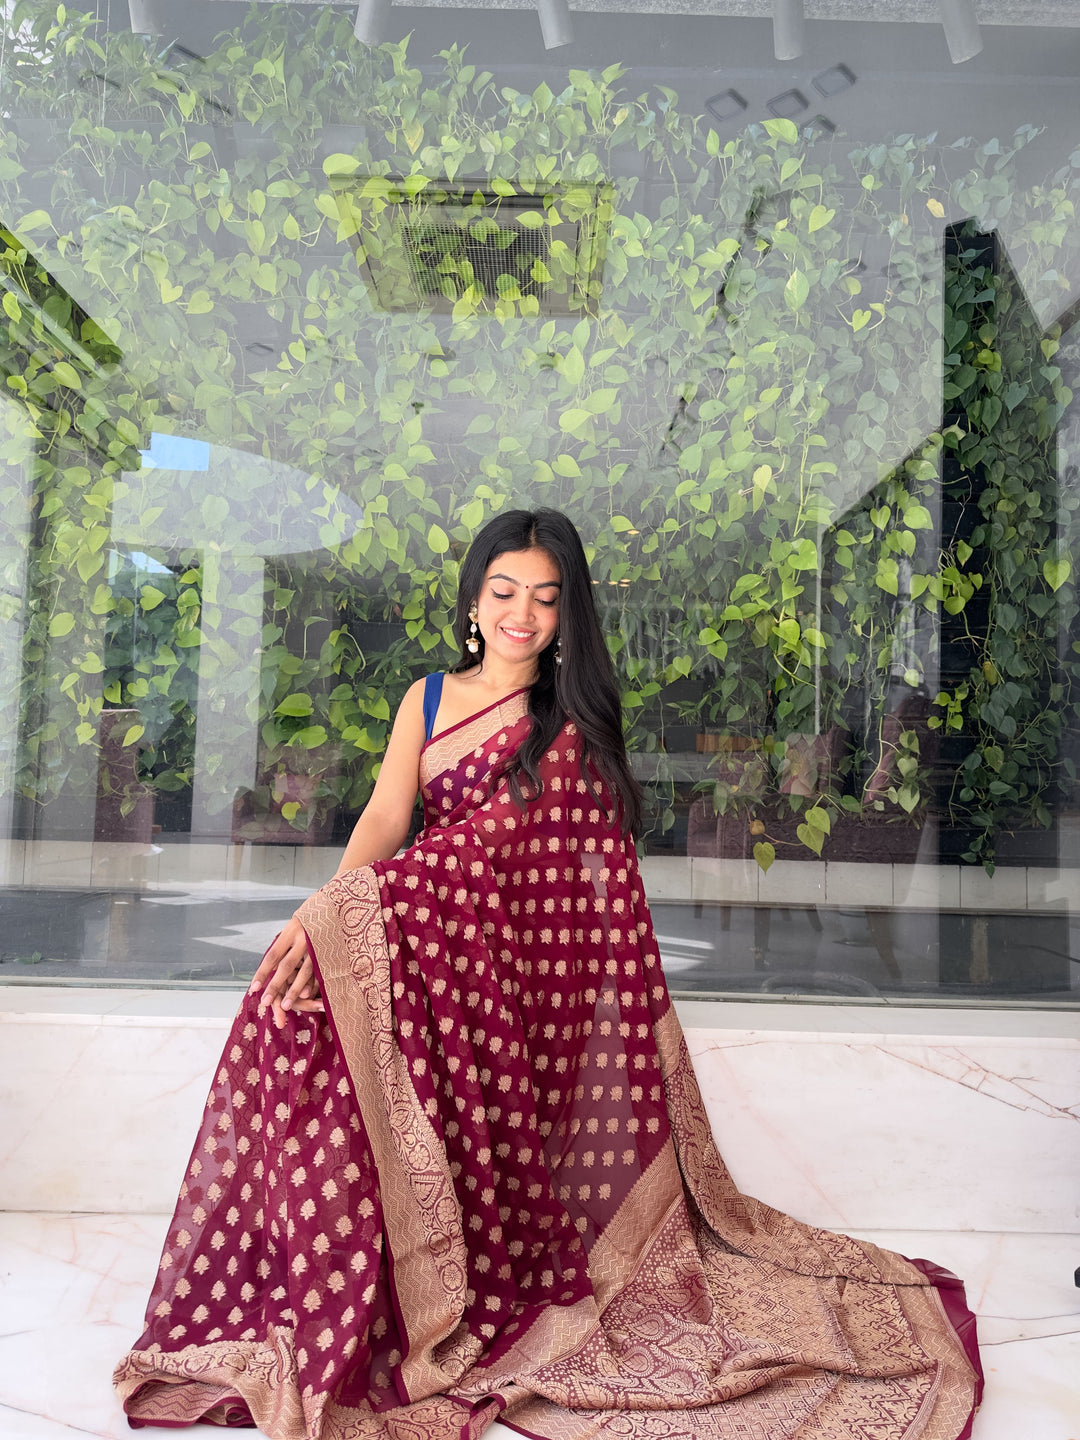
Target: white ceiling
x=989 y=12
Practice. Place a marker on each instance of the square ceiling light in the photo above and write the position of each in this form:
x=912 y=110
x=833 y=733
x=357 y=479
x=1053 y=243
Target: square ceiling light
x=726 y=105
x=834 y=80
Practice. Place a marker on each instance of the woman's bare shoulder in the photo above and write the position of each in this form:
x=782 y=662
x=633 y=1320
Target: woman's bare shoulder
x=410 y=712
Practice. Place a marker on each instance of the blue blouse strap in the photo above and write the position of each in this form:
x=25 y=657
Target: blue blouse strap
x=432 y=696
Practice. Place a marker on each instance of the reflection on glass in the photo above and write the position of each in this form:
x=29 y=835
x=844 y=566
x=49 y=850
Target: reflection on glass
x=287 y=315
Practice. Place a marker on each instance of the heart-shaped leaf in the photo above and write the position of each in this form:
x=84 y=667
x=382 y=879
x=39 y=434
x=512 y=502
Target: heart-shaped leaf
x=796 y=290
x=1056 y=572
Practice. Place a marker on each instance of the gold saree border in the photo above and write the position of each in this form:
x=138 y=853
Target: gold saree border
x=630 y=1234
x=192 y=1385
x=446 y=751
x=195 y=1385
x=421 y=1215
x=946 y=1407
x=949 y=1406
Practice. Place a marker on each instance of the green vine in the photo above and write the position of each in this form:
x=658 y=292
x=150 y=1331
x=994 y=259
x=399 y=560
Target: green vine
x=746 y=419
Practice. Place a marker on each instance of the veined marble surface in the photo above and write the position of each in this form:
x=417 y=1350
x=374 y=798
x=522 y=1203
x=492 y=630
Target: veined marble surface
x=74 y=1288
x=920 y=1132
x=874 y=1117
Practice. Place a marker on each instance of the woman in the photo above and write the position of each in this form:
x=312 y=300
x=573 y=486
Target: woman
x=454 y=1165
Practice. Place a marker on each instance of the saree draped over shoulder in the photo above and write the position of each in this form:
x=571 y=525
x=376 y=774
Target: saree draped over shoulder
x=483 y=1185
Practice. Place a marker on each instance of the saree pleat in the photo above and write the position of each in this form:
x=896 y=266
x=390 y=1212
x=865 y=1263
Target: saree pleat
x=484 y=1185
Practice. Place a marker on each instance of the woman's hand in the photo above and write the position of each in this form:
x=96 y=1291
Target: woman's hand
x=286 y=975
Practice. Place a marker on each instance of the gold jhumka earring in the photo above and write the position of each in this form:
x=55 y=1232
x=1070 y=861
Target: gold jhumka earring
x=472 y=644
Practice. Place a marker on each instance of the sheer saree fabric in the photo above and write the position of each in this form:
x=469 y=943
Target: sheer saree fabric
x=484 y=1186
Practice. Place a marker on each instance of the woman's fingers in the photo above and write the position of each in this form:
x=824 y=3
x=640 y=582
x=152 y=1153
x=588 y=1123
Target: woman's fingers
x=278 y=948
x=294 y=992
x=289 y=991
x=276 y=987
x=269 y=962
x=281 y=961
x=286 y=976
x=300 y=986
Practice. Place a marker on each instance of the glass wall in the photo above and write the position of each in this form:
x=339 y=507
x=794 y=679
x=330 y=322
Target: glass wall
x=286 y=316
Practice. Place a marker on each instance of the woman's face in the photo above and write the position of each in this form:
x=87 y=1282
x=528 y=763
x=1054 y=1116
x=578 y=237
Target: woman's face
x=518 y=605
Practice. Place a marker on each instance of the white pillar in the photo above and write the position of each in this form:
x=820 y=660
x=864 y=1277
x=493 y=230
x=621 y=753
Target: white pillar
x=16 y=448
x=227 y=714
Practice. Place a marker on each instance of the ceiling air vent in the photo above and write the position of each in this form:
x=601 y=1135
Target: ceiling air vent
x=471 y=247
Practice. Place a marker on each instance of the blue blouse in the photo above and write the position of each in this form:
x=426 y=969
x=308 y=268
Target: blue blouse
x=432 y=696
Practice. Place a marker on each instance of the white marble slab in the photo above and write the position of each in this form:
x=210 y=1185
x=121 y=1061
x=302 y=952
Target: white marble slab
x=12 y=861
x=1006 y=889
x=723 y=882
x=72 y=1301
x=1016 y=1284
x=101 y=1116
x=829 y=1017
x=75 y=1287
x=57 y=863
x=101 y=1093
x=1021 y=1287
x=926 y=887
x=180 y=864
x=666 y=877
x=850 y=882
x=965 y=1133
x=792 y=882
x=74 y=1291
x=115 y=865
x=82 y=1004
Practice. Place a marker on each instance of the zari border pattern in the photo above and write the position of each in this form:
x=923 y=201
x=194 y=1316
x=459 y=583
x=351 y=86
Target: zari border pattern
x=344 y=923
x=448 y=749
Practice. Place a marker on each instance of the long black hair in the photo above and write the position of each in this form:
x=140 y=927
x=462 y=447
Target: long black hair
x=583 y=688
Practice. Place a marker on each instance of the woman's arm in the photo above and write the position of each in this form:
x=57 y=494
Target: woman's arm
x=383 y=826
x=286 y=974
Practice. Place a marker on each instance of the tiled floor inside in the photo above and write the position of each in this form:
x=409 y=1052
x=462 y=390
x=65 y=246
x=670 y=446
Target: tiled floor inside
x=73 y=1288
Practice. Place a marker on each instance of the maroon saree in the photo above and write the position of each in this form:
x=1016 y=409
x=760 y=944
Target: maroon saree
x=483 y=1186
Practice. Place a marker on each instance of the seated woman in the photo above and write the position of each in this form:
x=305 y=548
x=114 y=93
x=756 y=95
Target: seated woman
x=454 y=1165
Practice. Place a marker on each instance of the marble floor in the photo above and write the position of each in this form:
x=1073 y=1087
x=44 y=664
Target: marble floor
x=73 y=1287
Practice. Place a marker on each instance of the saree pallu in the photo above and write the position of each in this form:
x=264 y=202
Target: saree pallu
x=483 y=1185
